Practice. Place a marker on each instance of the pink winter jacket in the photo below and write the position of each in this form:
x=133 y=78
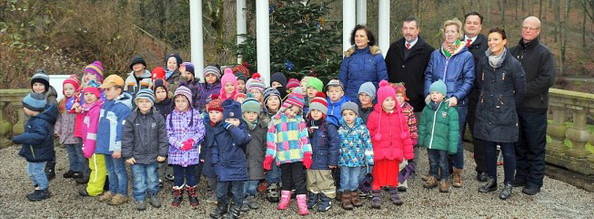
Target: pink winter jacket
x=89 y=127
x=389 y=135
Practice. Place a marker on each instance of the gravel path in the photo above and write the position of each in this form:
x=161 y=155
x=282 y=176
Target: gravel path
x=556 y=200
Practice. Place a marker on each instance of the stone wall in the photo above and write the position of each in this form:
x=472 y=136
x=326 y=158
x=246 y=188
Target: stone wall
x=12 y=116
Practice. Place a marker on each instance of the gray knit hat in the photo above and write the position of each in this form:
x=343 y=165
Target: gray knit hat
x=35 y=102
x=350 y=106
x=211 y=69
x=369 y=89
x=41 y=77
x=146 y=93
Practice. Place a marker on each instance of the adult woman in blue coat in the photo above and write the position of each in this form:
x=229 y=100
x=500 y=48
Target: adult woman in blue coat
x=453 y=64
x=362 y=63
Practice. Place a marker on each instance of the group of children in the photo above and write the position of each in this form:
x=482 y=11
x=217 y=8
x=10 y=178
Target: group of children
x=237 y=132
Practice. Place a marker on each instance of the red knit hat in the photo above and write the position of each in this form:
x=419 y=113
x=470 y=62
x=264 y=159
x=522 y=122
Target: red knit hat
x=400 y=89
x=71 y=80
x=242 y=68
x=158 y=72
x=319 y=103
x=385 y=91
x=215 y=104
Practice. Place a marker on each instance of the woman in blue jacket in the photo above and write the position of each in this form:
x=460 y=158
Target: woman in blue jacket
x=362 y=63
x=453 y=64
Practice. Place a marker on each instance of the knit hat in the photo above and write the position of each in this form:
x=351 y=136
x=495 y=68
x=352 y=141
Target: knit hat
x=176 y=56
x=440 y=87
x=240 y=76
x=112 y=80
x=271 y=91
x=35 y=102
x=158 y=72
x=279 y=77
x=146 y=93
x=71 y=80
x=189 y=67
x=214 y=104
x=242 y=68
x=159 y=82
x=400 y=89
x=255 y=83
x=315 y=83
x=293 y=82
x=211 y=69
x=185 y=91
x=231 y=109
x=93 y=87
x=251 y=105
x=95 y=68
x=41 y=77
x=333 y=83
x=369 y=89
x=228 y=76
x=294 y=99
x=135 y=60
x=350 y=106
x=319 y=103
x=385 y=91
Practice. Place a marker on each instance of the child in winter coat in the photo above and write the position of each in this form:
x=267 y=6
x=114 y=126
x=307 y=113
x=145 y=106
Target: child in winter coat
x=229 y=85
x=172 y=73
x=37 y=141
x=366 y=98
x=438 y=131
x=191 y=82
x=144 y=143
x=109 y=137
x=356 y=154
x=90 y=112
x=40 y=84
x=336 y=97
x=411 y=120
x=164 y=105
x=212 y=85
x=208 y=170
x=279 y=81
x=292 y=84
x=185 y=132
x=325 y=142
x=272 y=104
x=288 y=145
x=227 y=143
x=256 y=87
x=391 y=142
x=255 y=151
x=64 y=128
x=312 y=87
x=139 y=78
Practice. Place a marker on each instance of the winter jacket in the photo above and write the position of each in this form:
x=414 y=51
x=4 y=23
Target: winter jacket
x=325 y=144
x=364 y=113
x=51 y=95
x=457 y=72
x=198 y=98
x=502 y=90
x=210 y=89
x=111 y=120
x=389 y=135
x=410 y=69
x=287 y=139
x=255 y=151
x=64 y=128
x=38 y=138
x=227 y=147
x=90 y=116
x=360 y=66
x=165 y=107
x=334 y=115
x=411 y=120
x=356 y=149
x=439 y=129
x=133 y=85
x=477 y=48
x=144 y=137
x=182 y=126
x=174 y=80
x=539 y=65
x=79 y=117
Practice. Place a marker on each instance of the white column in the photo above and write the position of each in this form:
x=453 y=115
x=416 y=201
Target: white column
x=196 y=37
x=384 y=26
x=348 y=22
x=263 y=40
x=241 y=23
x=362 y=12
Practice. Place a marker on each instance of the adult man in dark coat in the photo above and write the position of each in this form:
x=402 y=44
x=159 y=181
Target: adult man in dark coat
x=539 y=64
x=477 y=45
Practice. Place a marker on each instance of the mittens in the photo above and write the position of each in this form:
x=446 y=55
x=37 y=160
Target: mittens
x=187 y=145
x=268 y=163
x=307 y=161
x=227 y=125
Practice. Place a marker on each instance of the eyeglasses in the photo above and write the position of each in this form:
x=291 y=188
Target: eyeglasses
x=530 y=28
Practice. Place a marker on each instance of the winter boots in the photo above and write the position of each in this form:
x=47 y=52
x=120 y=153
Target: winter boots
x=220 y=211
x=192 y=195
x=38 y=195
x=457 y=178
x=272 y=192
x=285 y=200
x=376 y=201
x=302 y=205
x=325 y=203
x=431 y=182
x=355 y=199
x=346 y=201
x=394 y=196
x=312 y=200
x=444 y=186
x=177 y=196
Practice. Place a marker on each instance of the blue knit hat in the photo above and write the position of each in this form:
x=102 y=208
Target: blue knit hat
x=271 y=91
x=189 y=67
x=35 y=102
x=231 y=109
x=440 y=87
x=369 y=89
x=146 y=93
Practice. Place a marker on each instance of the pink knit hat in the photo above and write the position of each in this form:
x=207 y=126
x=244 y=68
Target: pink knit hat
x=95 y=68
x=385 y=91
x=228 y=76
x=72 y=80
x=293 y=82
x=294 y=99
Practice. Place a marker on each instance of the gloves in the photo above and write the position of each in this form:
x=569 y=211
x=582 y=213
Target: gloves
x=187 y=145
x=268 y=163
x=307 y=161
x=227 y=125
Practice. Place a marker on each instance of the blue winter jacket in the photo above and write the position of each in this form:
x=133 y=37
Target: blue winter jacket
x=227 y=148
x=457 y=72
x=334 y=115
x=360 y=66
x=324 y=144
x=111 y=123
x=38 y=138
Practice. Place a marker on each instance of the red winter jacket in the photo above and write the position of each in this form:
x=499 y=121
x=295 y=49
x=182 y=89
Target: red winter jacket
x=389 y=135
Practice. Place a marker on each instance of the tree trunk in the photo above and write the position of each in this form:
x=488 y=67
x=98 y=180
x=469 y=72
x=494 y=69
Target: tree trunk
x=584 y=28
x=557 y=12
x=565 y=36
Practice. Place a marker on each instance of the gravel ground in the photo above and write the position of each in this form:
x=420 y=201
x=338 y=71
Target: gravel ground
x=556 y=200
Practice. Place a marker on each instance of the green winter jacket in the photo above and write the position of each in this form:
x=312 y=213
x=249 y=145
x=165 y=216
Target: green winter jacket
x=439 y=129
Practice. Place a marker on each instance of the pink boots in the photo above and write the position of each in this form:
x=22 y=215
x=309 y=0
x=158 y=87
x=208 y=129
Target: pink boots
x=286 y=199
x=302 y=204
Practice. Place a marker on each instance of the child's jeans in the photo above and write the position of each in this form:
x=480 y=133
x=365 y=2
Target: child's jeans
x=321 y=181
x=274 y=175
x=37 y=174
x=236 y=189
x=349 y=178
x=293 y=176
x=184 y=173
x=250 y=187
x=117 y=175
x=97 y=175
x=438 y=159
x=75 y=157
x=145 y=179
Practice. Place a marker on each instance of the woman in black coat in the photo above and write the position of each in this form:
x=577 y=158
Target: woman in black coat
x=502 y=84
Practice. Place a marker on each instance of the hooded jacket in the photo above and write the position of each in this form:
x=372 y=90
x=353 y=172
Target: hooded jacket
x=457 y=72
x=439 y=129
x=111 y=120
x=356 y=149
x=144 y=137
x=334 y=115
x=38 y=139
x=90 y=124
x=360 y=66
x=182 y=126
x=389 y=135
x=227 y=147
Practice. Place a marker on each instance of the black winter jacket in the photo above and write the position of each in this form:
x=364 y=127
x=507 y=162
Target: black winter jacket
x=477 y=48
x=144 y=137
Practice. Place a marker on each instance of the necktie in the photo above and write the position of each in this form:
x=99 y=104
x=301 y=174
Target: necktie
x=469 y=41
x=407 y=46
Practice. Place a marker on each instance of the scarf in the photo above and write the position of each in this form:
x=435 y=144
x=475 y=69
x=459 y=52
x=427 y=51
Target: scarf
x=496 y=61
x=168 y=74
x=250 y=125
x=449 y=50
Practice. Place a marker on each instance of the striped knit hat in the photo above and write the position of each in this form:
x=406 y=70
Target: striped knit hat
x=146 y=93
x=95 y=68
x=271 y=91
x=93 y=87
x=41 y=77
x=319 y=103
x=71 y=80
x=242 y=68
x=215 y=104
x=255 y=83
x=251 y=105
x=293 y=82
x=185 y=91
x=35 y=102
x=294 y=99
x=211 y=69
